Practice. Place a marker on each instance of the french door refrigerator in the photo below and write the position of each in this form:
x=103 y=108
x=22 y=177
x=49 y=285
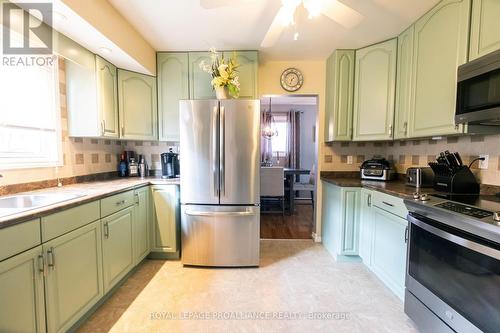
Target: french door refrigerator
x=220 y=183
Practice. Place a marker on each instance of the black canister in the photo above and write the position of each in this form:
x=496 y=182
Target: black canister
x=168 y=164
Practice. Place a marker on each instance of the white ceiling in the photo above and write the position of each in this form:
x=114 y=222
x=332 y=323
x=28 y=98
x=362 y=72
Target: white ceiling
x=183 y=25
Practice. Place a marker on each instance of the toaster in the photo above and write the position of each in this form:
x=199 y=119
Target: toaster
x=377 y=169
x=420 y=177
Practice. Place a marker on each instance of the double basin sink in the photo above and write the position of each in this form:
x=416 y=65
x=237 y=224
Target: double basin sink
x=19 y=203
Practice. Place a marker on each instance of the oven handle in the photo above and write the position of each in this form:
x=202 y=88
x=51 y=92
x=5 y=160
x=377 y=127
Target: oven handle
x=488 y=251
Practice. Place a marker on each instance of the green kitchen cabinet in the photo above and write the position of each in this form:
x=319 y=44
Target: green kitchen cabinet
x=248 y=62
x=137 y=106
x=389 y=249
x=165 y=230
x=173 y=85
x=340 y=221
x=339 y=96
x=485 y=28
x=365 y=226
x=141 y=224
x=199 y=81
x=73 y=282
x=440 y=46
x=22 y=305
x=374 y=90
x=403 y=83
x=117 y=246
x=107 y=97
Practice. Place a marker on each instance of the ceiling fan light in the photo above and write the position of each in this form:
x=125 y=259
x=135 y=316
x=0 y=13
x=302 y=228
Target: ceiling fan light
x=313 y=7
x=286 y=15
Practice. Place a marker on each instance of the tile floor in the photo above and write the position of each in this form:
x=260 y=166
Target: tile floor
x=295 y=277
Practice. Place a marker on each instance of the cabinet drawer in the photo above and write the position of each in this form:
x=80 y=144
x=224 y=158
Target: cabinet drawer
x=70 y=219
x=19 y=237
x=116 y=202
x=390 y=203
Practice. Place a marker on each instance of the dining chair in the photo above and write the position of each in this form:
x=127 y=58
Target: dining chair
x=272 y=186
x=307 y=186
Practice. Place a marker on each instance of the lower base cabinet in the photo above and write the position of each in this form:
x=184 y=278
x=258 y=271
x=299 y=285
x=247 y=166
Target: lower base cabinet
x=165 y=221
x=141 y=224
x=365 y=227
x=388 y=260
x=22 y=306
x=73 y=282
x=117 y=253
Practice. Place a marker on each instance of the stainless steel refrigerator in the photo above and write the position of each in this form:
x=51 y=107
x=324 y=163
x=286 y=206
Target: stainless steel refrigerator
x=220 y=182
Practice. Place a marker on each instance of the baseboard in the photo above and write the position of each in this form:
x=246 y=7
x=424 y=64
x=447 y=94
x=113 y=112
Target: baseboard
x=165 y=255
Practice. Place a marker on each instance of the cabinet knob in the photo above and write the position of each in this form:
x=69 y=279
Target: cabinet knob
x=416 y=196
x=424 y=197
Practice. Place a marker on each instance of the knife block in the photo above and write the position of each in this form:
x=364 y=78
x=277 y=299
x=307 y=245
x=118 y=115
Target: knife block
x=459 y=180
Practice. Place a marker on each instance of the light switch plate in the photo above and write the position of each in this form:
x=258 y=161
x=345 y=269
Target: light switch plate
x=484 y=164
x=350 y=159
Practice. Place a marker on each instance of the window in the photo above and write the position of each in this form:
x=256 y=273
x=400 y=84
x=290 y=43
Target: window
x=279 y=142
x=29 y=116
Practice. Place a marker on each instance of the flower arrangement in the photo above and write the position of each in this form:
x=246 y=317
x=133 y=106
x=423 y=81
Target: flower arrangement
x=224 y=74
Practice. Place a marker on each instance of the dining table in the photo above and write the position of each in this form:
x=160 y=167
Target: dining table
x=291 y=175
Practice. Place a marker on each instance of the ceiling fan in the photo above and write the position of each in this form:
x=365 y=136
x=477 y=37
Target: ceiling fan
x=333 y=9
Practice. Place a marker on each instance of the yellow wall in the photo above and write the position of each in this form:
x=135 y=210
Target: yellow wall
x=105 y=18
x=314 y=83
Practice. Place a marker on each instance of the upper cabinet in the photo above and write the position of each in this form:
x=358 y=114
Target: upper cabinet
x=247 y=72
x=403 y=83
x=374 y=89
x=339 y=96
x=137 y=106
x=485 y=28
x=107 y=97
x=200 y=87
x=173 y=85
x=440 y=46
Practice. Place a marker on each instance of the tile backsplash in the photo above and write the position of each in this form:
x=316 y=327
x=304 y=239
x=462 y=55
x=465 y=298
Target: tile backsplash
x=417 y=153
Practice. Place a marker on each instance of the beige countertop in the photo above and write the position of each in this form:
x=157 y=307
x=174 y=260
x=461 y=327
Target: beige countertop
x=87 y=192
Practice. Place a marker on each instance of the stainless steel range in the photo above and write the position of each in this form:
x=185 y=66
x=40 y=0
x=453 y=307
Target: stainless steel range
x=453 y=266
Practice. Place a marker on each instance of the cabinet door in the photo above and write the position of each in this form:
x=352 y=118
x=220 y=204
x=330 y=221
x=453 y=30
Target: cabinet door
x=248 y=67
x=365 y=227
x=164 y=235
x=350 y=222
x=403 y=83
x=485 y=28
x=330 y=74
x=137 y=106
x=440 y=46
x=22 y=305
x=141 y=224
x=199 y=81
x=107 y=96
x=374 y=86
x=74 y=276
x=340 y=99
x=173 y=86
x=389 y=249
x=118 y=257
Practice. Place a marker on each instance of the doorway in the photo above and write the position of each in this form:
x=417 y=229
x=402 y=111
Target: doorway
x=289 y=149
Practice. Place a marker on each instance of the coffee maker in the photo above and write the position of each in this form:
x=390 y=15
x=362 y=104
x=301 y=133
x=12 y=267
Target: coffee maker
x=170 y=164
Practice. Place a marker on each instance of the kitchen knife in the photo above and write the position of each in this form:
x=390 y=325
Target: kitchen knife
x=452 y=161
x=459 y=159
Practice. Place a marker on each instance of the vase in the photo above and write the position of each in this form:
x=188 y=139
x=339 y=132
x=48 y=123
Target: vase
x=222 y=93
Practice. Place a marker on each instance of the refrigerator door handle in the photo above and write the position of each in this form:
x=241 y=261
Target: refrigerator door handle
x=208 y=213
x=215 y=150
x=222 y=151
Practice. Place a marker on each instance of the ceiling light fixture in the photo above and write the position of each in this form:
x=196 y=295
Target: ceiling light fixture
x=313 y=7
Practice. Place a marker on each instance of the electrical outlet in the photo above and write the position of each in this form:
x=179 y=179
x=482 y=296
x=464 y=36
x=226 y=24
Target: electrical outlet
x=350 y=159
x=484 y=164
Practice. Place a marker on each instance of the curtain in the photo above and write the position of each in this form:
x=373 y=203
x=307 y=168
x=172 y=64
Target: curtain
x=266 y=147
x=293 y=139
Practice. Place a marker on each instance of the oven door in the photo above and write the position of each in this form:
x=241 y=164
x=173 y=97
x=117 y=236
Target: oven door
x=455 y=274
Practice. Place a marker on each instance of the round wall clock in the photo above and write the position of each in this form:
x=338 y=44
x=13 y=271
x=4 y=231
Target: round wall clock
x=291 y=79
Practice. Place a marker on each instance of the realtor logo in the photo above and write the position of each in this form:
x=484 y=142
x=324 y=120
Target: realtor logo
x=30 y=28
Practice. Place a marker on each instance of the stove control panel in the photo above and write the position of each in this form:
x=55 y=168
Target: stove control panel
x=466 y=210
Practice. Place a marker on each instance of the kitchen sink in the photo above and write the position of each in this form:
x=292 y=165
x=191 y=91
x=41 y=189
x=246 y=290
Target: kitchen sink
x=20 y=203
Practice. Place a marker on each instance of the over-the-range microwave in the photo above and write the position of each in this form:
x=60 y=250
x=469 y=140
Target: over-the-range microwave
x=478 y=91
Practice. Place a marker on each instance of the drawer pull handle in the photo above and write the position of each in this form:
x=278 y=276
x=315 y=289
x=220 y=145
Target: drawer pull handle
x=51 y=258
x=406 y=234
x=388 y=204
x=369 y=200
x=41 y=263
x=118 y=203
x=106 y=230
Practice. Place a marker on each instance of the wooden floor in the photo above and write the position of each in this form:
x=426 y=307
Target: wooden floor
x=296 y=226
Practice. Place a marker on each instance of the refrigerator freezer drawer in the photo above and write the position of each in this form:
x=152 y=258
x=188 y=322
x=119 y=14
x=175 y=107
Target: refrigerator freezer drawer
x=222 y=236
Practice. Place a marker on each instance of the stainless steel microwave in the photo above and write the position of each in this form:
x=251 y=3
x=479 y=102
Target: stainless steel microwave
x=478 y=91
